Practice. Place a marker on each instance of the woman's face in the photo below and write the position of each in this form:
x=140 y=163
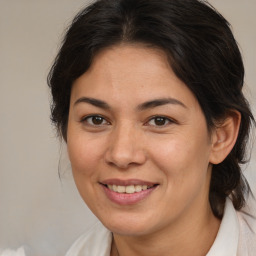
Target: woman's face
x=138 y=142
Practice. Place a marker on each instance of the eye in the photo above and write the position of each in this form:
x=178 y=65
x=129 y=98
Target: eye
x=95 y=120
x=159 y=121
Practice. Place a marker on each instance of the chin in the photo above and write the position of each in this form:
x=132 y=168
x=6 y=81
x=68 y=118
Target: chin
x=128 y=231
x=127 y=225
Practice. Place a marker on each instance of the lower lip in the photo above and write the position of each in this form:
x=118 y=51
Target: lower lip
x=125 y=198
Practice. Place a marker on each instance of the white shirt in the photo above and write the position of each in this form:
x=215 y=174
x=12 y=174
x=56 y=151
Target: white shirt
x=236 y=237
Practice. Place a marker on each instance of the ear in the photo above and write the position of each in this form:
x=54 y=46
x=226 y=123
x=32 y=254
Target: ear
x=224 y=137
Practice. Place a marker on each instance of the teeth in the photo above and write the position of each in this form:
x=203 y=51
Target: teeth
x=120 y=189
x=138 y=188
x=128 y=189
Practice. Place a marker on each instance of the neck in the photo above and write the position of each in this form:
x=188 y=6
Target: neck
x=193 y=235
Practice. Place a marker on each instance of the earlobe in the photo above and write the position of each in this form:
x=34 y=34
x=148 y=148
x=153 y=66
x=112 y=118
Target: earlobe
x=224 y=137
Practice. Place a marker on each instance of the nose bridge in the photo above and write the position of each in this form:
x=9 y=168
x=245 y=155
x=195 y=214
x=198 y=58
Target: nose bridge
x=125 y=145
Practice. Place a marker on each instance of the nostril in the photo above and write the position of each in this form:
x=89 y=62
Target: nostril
x=124 y=158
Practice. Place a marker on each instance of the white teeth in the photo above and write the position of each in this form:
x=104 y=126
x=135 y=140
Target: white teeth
x=128 y=189
x=138 y=188
x=120 y=189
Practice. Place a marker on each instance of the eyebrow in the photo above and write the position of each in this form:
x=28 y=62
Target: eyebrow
x=160 y=102
x=94 y=102
x=146 y=105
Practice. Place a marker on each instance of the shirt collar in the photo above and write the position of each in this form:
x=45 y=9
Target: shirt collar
x=226 y=242
x=97 y=240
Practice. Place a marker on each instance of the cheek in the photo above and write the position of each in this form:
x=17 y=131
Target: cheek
x=186 y=173
x=84 y=161
x=83 y=153
x=184 y=161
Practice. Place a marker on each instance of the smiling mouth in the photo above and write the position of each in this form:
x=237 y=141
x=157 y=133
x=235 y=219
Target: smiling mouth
x=130 y=189
x=127 y=192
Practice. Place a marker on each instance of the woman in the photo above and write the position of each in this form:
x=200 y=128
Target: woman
x=148 y=97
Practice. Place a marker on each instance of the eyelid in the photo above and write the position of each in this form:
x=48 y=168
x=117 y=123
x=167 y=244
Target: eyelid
x=85 y=118
x=170 y=121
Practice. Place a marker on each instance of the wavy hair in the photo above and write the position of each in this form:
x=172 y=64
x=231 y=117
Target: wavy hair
x=201 y=50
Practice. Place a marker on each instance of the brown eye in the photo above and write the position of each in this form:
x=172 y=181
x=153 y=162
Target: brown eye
x=159 y=121
x=95 y=120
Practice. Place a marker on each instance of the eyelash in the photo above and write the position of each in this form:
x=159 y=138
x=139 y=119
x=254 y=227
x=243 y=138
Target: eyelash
x=87 y=118
x=166 y=121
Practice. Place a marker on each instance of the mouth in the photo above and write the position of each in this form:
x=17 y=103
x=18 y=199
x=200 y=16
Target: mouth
x=127 y=192
x=130 y=189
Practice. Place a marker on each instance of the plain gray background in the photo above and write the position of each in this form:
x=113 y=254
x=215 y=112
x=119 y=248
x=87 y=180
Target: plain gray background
x=37 y=209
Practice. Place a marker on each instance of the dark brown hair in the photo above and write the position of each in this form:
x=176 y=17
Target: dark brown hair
x=202 y=52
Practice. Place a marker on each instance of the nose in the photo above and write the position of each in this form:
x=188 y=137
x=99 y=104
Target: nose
x=125 y=147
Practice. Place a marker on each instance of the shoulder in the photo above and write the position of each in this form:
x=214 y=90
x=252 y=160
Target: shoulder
x=247 y=230
x=236 y=235
x=95 y=241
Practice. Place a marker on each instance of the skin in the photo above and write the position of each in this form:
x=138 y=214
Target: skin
x=128 y=143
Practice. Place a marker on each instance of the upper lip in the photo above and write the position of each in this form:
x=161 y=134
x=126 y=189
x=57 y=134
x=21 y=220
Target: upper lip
x=127 y=182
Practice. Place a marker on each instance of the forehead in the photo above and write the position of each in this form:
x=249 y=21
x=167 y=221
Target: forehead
x=131 y=73
x=131 y=52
